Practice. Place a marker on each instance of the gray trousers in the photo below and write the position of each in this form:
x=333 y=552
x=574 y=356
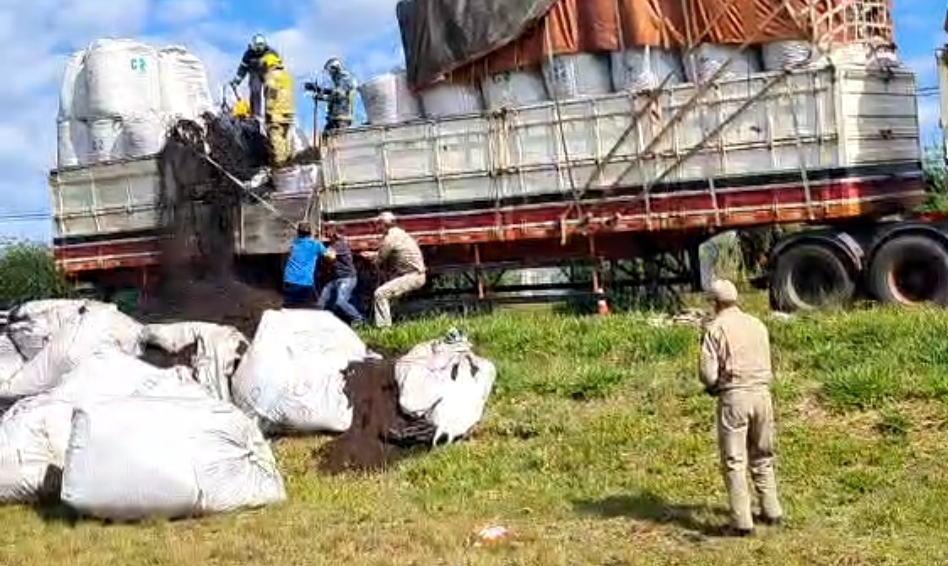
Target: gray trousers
x=392 y=289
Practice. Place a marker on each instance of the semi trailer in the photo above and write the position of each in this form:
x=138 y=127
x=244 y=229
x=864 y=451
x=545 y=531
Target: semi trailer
x=641 y=177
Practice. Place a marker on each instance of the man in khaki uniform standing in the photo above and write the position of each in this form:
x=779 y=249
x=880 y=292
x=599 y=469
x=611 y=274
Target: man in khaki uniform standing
x=736 y=369
x=400 y=256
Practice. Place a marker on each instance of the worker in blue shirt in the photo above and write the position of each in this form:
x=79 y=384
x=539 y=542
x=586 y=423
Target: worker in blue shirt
x=299 y=275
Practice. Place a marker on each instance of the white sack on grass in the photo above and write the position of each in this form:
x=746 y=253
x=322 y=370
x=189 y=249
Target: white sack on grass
x=447 y=384
x=32 y=324
x=10 y=359
x=218 y=351
x=136 y=458
x=291 y=379
x=34 y=434
x=92 y=331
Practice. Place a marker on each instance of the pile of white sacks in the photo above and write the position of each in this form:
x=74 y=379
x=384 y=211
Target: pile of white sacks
x=115 y=438
x=389 y=100
x=118 y=96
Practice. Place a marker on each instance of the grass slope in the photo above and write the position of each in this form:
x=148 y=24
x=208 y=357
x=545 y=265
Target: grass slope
x=599 y=449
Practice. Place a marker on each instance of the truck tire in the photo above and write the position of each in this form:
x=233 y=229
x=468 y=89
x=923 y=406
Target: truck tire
x=909 y=270
x=810 y=277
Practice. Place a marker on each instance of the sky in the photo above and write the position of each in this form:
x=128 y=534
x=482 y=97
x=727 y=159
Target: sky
x=38 y=36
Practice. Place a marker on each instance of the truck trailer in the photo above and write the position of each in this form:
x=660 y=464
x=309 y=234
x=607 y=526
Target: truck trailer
x=646 y=176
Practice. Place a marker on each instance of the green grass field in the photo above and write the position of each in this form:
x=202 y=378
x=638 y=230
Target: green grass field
x=599 y=449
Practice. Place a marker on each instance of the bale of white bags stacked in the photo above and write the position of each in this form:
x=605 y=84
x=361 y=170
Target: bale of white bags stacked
x=577 y=75
x=511 y=89
x=118 y=95
x=388 y=99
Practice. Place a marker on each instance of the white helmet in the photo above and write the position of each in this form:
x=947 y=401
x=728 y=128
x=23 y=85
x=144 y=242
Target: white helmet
x=258 y=42
x=333 y=65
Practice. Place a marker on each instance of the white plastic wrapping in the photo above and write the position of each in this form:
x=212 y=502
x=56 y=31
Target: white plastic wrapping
x=387 y=100
x=73 y=145
x=513 y=88
x=73 y=94
x=97 y=330
x=10 y=359
x=184 y=86
x=124 y=79
x=218 y=350
x=577 y=75
x=34 y=434
x=641 y=68
x=779 y=55
x=449 y=99
x=33 y=323
x=702 y=63
x=291 y=379
x=446 y=383
x=136 y=458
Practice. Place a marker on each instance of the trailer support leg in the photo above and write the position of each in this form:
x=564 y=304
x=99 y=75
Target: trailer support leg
x=602 y=305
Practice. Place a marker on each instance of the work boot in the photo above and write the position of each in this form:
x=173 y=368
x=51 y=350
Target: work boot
x=771 y=521
x=731 y=531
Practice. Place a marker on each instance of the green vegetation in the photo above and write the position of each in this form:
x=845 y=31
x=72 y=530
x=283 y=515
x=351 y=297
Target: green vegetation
x=28 y=272
x=599 y=449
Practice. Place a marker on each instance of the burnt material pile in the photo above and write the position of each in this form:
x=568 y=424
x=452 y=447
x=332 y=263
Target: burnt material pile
x=200 y=208
x=380 y=434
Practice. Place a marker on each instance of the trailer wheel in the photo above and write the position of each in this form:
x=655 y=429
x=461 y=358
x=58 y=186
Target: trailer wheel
x=910 y=270
x=810 y=277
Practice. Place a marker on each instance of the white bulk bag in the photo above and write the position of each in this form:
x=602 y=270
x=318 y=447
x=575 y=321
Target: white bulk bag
x=73 y=143
x=708 y=58
x=788 y=54
x=291 y=379
x=135 y=458
x=387 y=100
x=10 y=359
x=141 y=135
x=512 y=89
x=105 y=140
x=184 y=86
x=577 y=75
x=641 y=68
x=33 y=323
x=447 y=384
x=218 y=351
x=451 y=99
x=73 y=94
x=287 y=180
x=93 y=331
x=123 y=78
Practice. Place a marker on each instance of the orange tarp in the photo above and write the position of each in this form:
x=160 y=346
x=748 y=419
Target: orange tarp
x=573 y=26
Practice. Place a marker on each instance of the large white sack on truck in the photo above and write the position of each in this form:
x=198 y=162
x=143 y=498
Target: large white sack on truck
x=641 y=68
x=787 y=54
x=105 y=140
x=123 y=78
x=73 y=93
x=387 y=99
x=34 y=323
x=512 y=89
x=218 y=350
x=131 y=459
x=73 y=144
x=95 y=330
x=291 y=379
x=577 y=75
x=34 y=434
x=446 y=383
x=451 y=99
x=141 y=135
x=706 y=59
x=184 y=86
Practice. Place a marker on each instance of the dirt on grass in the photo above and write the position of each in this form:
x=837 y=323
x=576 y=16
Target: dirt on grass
x=380 y=434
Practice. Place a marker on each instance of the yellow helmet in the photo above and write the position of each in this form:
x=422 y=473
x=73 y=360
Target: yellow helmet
x=271 y=60
x=241 y=109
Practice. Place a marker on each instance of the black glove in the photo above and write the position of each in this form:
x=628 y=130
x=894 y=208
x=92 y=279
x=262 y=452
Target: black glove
x=310 y=87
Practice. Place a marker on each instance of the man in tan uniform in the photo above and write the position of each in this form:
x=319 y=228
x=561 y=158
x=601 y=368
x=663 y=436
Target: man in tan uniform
x=400 y=256
x=736 y=369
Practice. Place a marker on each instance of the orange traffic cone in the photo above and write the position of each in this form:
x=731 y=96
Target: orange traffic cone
x=601 y=305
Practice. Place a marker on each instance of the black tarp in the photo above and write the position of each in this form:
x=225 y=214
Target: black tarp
x=439 y=36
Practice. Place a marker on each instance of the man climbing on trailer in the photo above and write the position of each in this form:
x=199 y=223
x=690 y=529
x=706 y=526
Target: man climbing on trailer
x=252 y=64
x=299 y=274
x=736 y=369
x=340 y=98
x=280 y=109
x=399 y=256
x=337 y=294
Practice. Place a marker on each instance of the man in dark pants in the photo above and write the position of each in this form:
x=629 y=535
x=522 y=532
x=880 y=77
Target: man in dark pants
x=299 y=275
x=337 y=294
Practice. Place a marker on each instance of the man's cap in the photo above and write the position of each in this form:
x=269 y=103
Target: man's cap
x=386 y=217
x=723 y=291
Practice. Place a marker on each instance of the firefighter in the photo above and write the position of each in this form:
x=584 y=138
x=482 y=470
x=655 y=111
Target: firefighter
x=252 y=64
x=280 y=109
x=736 y=369
x=340 y=98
